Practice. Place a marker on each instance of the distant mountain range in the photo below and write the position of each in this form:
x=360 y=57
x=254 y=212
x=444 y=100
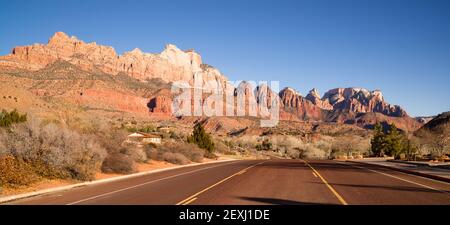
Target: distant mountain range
x=95 y=76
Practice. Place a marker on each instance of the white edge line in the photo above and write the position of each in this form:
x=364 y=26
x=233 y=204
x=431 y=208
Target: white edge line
x=409 y=174
x=195 y=196
x=145 y=183
x=398 y=178
x=107 y=180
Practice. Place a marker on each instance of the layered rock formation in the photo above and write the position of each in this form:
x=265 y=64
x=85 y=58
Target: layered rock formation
x=170 y=65
x=292 y=102
x=67 y=57
x=315 y=98
x=345 y=105
x=160 y=106
x=360 y=100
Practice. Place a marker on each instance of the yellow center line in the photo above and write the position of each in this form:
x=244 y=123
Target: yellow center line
x=314 y=174
x=338 y=196
x=190 y=201
x=194 y=196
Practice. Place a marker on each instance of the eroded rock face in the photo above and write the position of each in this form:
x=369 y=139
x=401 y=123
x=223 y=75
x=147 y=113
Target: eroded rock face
x=292 y=102
x=314 y=97
x=343 y=105
x=170 y=65
x=360 y=100
x=160 y=106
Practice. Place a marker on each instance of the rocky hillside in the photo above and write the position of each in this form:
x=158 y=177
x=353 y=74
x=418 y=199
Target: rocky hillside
x=89 y=75
x=439 y=124
x=172 y=64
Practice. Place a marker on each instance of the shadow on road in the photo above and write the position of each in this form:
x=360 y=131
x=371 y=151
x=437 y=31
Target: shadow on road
x=275 y=201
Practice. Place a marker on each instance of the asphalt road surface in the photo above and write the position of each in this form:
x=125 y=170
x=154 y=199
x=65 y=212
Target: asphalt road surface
x=261 y=182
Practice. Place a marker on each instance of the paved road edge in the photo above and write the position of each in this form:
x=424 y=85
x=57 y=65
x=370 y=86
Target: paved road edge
x=430 y=176
x=107 y=180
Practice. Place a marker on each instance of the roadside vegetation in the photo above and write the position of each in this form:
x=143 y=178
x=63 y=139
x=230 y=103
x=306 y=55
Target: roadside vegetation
x=391 y=143
x=422 y=146
x=8 y=118
x=79 y=149
x=202 y=140
x=316 y=146
x=33 y=149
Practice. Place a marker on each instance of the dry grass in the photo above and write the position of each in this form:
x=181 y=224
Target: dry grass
x=53 y=151
x=118 y=163
x=176 y=152
x=15 y=173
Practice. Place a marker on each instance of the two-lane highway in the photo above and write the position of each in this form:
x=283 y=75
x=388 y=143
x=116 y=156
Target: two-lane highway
x=256 y=182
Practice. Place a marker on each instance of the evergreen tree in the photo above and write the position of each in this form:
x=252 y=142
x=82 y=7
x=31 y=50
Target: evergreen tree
x=394 y=140
x=378 y=142
x=201 y=138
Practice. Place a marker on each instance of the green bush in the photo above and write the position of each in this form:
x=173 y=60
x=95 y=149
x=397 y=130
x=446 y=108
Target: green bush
x=266 y=145
x=392 y=143
x=201 y=138
x=8 y=118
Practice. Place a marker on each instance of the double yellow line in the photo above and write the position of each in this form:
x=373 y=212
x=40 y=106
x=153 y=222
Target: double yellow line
x=338 y=196
x=193 y=197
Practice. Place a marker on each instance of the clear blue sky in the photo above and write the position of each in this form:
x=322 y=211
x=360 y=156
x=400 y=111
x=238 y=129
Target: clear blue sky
x=400 y=47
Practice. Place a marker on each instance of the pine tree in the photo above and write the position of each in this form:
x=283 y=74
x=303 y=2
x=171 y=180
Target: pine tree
x=394 y=140
x=201 y=138
x=378 y=142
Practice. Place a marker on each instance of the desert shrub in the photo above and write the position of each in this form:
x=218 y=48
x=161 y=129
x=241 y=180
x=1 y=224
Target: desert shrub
x=224 y=148
x=350 y=144
x=283 y=143
x=230 y=144
x=53 y=151
x=147 y=129
x=311 y=152
x=293 y=153
x=210 y=155
x=188 y=150
x=221 y=147
x=8 y=118
x=118 y=163
x=111 y=139
x=266 y=145
x=175 y=158
x=174 y=135
x=14 y=172
x=136 y=153
x=132 y=129
x=247 y=141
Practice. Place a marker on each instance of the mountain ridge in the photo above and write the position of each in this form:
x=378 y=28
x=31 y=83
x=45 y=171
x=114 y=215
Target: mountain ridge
x=344 y=105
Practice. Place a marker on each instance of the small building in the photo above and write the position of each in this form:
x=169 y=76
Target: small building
x=141 y=137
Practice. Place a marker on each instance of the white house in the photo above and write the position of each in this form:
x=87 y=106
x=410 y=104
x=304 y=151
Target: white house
x=142 y=137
